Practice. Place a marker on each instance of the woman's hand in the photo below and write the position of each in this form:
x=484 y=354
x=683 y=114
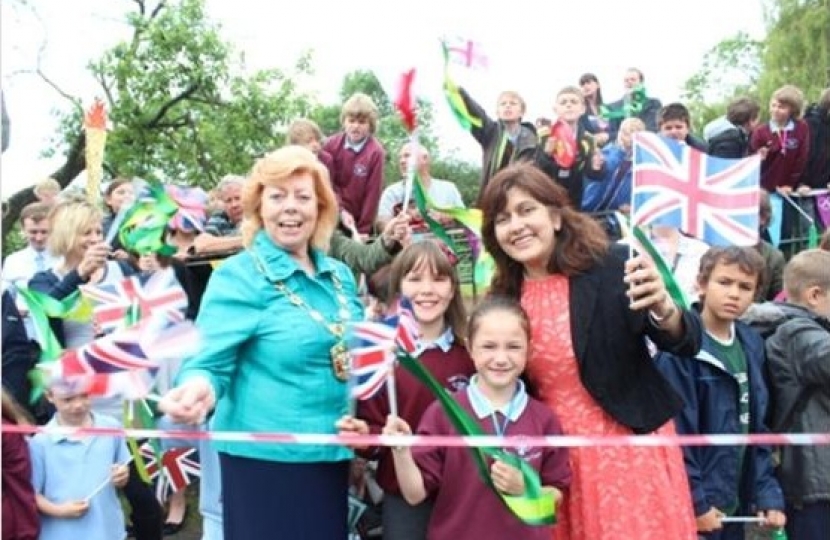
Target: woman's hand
x=507 y=478
x=93 y=260
x=189 y=403
x=397 y=231
x=349 y=425
x=646 y=288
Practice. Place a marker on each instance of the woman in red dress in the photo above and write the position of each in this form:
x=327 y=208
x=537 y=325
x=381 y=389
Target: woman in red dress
x=591 y=309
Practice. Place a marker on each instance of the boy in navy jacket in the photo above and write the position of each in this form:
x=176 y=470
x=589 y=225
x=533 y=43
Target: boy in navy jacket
x=724 y=391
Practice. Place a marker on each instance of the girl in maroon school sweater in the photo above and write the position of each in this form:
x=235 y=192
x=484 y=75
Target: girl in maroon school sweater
x=20 y=515
x=424 y=274
x=465 y=509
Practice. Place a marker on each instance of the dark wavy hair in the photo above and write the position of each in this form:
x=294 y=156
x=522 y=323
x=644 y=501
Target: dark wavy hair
x=580 y=244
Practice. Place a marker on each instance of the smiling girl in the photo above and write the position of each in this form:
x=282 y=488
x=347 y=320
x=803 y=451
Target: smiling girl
x=424 y=274
x=499 y=343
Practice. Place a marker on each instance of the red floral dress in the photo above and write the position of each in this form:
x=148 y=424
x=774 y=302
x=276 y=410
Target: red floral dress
x=619 y=492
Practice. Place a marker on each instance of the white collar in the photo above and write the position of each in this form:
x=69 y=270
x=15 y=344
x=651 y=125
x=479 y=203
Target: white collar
x=483 y=408
x=444 y=342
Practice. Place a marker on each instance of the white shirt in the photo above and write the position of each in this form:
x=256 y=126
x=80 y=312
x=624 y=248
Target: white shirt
x=18 y=269
x=20 y=266
x=442 y=192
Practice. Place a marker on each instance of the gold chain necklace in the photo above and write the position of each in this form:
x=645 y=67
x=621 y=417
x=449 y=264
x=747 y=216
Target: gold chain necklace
x=338 y=353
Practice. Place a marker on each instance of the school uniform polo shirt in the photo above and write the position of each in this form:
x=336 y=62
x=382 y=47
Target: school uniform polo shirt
x=70 y=469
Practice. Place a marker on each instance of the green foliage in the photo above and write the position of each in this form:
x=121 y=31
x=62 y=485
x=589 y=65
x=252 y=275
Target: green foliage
x=180 y=107
x=729 y=69
x=13 y=241
x=465 y=175
x=797 y=47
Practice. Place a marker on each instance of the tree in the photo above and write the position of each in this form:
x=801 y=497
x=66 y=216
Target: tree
x=729 y=69
x=797 y=47
x=180 y=106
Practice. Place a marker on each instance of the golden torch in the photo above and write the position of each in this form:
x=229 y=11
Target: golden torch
x=95 y=125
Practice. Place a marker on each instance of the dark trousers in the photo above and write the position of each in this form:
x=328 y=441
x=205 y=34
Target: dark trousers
x=809 y=522
x=147 y=515
x=402 y=521
x=292 y=501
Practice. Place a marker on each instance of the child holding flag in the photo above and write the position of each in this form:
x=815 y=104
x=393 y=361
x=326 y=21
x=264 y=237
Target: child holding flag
x=499 y=342
x=423 y=274
x=724 y=392
x=566 y=152
x=75 y=477
x=504 y=140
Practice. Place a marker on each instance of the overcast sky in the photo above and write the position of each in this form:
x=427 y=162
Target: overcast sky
x=534 y=47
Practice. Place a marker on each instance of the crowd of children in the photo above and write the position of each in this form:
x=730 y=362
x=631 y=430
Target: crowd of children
x=532 y=358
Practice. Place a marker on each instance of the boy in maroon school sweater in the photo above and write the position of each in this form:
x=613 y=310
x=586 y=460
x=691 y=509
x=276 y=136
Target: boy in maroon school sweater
x=357 y=163
x=783 y=142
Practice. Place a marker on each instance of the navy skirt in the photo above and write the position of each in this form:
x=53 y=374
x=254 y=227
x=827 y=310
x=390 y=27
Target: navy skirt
x=267 y=499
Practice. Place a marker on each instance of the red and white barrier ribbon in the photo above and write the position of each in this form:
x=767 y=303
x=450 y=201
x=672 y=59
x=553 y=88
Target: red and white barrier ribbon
x=515 y=441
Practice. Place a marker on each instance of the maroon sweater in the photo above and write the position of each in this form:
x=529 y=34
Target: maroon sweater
x=786 y=157
x=326 y=159
x=20 y=516
x=453 y=369
x=357 y=178
x=464 y=507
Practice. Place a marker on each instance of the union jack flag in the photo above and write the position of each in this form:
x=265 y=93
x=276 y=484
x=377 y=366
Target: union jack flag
x=113 y=353
x=373 y=346
x=407 y=330
x=713 y=199
x=159 y=292
x=177 y=471
x=372 y=349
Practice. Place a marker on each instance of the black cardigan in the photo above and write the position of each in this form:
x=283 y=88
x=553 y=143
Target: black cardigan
x=609 y=342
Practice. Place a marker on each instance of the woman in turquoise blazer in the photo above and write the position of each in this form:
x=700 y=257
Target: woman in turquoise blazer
x=273 y=356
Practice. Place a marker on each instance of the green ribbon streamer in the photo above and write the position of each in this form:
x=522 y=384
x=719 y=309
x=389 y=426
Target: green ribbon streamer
x=536 y=506
x=436 y=228
x=631 y=107
x=457 y=106
x=42 y=307
x=812 y=236
x=145 y=224
x=672 y=287
x=144 y=419
x=484 y=268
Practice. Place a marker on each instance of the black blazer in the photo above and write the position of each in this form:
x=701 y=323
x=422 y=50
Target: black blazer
x=609 y=341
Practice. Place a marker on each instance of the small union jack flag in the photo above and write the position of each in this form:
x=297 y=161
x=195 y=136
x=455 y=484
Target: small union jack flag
x=372 y=349
x=179 y=467
x=112 y=353
x=407 y=329
x=126 y=361
x=373 y=346
x=157 y=293
x=713 y=199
